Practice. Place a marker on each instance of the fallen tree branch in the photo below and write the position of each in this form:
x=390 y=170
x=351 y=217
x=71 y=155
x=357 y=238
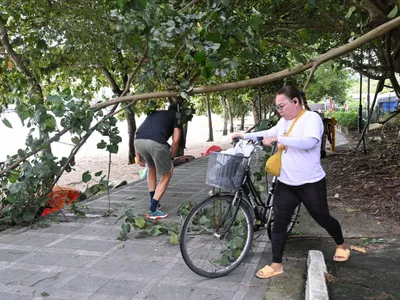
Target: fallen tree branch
x=313 y=69
x=368 y=37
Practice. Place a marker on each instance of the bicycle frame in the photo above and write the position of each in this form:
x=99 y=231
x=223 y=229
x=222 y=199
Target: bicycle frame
x=252 y=199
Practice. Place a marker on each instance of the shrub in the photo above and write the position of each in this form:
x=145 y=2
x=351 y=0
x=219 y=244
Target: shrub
x=348 y=119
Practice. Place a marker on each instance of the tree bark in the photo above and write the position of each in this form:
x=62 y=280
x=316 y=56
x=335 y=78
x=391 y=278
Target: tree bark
x=182 y=140
x=131 y=121
x=210 y=127
x=256 y=113
x=231 y=128
x=224 y=115
x=242 y=122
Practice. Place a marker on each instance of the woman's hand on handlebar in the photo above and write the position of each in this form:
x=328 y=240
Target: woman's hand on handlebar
x=237 y=136
x=270 y=141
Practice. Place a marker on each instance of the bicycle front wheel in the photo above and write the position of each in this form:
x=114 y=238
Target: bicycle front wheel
x=216 y=236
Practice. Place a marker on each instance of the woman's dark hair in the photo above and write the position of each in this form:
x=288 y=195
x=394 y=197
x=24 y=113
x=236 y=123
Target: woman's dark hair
x=291 y=92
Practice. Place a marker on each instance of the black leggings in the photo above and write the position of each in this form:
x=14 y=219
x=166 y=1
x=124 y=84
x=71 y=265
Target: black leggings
x=314 y=198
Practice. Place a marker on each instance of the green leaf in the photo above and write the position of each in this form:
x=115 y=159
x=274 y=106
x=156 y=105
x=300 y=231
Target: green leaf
x=350 y=12
x=98 y=173
x=237 y=242
x=297 y=56
x=75 y=140
x=86 y=177
x=393 y=12
x=14 y=188
x=7 y=123
x=121 y=3
x=155 y=230
x=50 y=123
x=206 y=72
x=28 y=216
x=21 y=153
x=255 y=22
x=101 y=145
x=126 y=228
x=224 y=260
x=54 y=98
x=312 y=3
x=129 y=213
x=140 y=222
x=113 y=148
x=200 y=57
x=44 y=294
x=174 y=239
x=204 y=220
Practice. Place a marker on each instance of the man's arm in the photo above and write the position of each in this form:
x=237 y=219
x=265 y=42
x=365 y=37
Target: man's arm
x=175 y=141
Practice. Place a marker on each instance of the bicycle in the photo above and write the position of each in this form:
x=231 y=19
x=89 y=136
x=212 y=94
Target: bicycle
x=218 y=232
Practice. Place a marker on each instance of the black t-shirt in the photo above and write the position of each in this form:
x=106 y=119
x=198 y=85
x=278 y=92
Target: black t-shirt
x=158 y=126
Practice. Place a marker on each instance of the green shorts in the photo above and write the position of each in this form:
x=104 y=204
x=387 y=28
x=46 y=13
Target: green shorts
x=155 y=154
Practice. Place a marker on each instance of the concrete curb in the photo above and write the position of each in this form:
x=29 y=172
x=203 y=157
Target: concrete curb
x=316 y=288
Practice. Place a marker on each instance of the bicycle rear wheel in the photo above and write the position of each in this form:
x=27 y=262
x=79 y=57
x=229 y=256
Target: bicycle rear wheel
x=209 y=246
x=289 y=229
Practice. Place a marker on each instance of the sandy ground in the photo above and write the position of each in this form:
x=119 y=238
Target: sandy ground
x=93 y=160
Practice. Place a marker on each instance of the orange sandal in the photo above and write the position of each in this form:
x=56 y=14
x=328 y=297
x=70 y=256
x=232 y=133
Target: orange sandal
x=344 y=254
x=267 y=272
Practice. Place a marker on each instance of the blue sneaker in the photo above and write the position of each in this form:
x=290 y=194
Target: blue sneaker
x=158 y=214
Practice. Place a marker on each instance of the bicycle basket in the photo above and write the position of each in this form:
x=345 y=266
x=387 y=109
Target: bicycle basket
x=225 y=171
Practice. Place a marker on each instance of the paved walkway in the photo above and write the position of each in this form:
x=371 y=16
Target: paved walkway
x=82 y=259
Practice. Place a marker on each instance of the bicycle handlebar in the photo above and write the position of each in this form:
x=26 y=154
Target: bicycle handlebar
x=259 y=141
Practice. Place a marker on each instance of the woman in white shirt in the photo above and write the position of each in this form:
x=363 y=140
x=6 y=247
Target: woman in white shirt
x=301 y=179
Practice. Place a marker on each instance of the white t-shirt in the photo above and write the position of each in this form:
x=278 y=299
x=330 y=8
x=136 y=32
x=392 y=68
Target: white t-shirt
x=299 y=166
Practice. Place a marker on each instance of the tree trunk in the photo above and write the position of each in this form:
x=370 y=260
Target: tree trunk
x=231 y=129
x=256 y=113
x=210 y=127
x=224 y=115
x=130 y=119
x=182 y=140
x=242 y=122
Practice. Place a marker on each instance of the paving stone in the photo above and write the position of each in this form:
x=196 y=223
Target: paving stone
x=111 y=265
x=8 y=296
x=144 y=267
x=39 y=241
x=61 y=229
x=93 y=231
x=44 y=279
x=74 y=261
x=98 y=296
x=43 y=258
x=12 y=254
x=13 y=277
x=85 y=284
x=70 y=243
x=64 y=294
x=168 y=292
x=207 y=293
x=101 y=246
x=15 y=239
x=126 y=288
